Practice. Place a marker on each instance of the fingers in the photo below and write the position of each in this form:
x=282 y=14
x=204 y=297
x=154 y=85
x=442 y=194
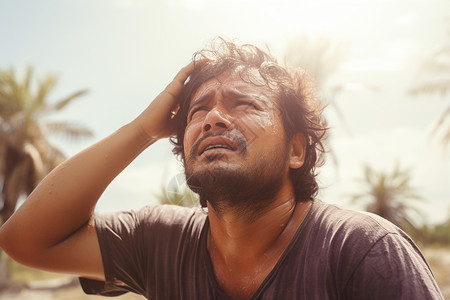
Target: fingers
x=184 y=73
x=158 y=120
x=177 y=84
x=174 y=88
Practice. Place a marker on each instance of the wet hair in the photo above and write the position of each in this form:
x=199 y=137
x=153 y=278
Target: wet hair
x=300 y=111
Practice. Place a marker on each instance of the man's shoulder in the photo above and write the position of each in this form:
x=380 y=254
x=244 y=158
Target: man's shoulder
x=346 y=223
x=152 y=217
x=345 y=238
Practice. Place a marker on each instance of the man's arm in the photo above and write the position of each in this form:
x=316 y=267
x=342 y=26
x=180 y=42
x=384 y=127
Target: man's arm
x=54 y=230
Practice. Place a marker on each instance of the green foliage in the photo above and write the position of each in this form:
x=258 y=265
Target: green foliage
x=391 y=196
x=321 y=57
x=23 y=109
x=437 y=234
x=26 y=155
x=433 y=77
x=433 y=72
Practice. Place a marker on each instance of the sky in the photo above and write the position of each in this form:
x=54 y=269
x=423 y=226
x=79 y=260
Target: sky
x=125 y=52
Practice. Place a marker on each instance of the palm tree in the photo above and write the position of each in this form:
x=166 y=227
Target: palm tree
x=322 y=57
x=26 y=154
x=390 y=196
x=434 y=78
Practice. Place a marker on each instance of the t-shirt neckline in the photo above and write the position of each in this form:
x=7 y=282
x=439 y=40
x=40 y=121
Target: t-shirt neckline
x=210 y=269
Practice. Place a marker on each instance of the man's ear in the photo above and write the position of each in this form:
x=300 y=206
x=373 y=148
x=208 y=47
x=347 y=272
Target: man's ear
x=297 y=151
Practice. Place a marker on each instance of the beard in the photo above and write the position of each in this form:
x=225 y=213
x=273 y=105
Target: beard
x=241 y=188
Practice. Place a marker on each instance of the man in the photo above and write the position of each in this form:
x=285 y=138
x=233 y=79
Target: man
x=249 y=133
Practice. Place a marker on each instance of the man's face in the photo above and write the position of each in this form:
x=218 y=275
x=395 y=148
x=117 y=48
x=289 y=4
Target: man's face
x=234 y=132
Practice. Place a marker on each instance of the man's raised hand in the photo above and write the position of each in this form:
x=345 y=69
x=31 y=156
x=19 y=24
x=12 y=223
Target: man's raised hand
x=157 y=121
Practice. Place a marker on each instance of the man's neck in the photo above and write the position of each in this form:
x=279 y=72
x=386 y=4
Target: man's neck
x=246 y=251
x=237 y=238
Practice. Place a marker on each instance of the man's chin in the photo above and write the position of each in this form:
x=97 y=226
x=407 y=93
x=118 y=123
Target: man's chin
x=211 y=176
x=212 y=163
x=216 y=157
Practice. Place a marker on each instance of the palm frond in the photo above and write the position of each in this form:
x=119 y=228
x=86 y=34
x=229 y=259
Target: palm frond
x=26 y=86
x=11 y=91
x=441 y=121
x=446 y=139
x=320 y=57
x=64 y=102
x=441 y=87
x=389 y=195
x=45 y=87
x=26 y=154
x=69 y=130
x=435 y=70
x=438 y=61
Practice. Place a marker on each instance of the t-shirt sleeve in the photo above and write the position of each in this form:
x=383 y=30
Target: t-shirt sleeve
x=392 y=269
x=119 y=235
x=127 y=244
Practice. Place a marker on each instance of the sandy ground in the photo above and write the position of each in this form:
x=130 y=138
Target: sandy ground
x=67 y=288
x=61 y=288
x=439 y=260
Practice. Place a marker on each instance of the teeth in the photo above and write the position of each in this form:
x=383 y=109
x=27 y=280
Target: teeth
x=217 y=146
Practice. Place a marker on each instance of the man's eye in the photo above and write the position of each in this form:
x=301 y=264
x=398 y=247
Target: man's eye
x=247 y=104
x=197 y=113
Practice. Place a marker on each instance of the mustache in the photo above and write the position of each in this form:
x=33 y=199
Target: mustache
x=237 y=137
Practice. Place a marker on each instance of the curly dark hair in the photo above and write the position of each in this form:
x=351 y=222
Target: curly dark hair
x=300 y=111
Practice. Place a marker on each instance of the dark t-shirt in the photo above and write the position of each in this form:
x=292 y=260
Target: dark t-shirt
x=161 y=253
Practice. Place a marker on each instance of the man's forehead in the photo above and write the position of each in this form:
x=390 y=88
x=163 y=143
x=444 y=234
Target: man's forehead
x=233 y=84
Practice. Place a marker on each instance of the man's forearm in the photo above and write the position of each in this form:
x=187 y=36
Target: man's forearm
x=66 y=198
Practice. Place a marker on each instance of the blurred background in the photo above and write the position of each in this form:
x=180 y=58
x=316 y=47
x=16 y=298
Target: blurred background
x=72 y=72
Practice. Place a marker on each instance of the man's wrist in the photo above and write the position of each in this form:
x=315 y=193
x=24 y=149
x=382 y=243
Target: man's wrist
x=145 y=138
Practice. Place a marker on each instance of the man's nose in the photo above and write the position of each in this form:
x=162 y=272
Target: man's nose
x=216 y=120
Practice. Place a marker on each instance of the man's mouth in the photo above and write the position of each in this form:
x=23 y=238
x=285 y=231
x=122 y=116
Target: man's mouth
x=215 y=144
x=209 y=148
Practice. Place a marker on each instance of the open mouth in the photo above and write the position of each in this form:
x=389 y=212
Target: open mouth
x=218 y=143
x=216 y=147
